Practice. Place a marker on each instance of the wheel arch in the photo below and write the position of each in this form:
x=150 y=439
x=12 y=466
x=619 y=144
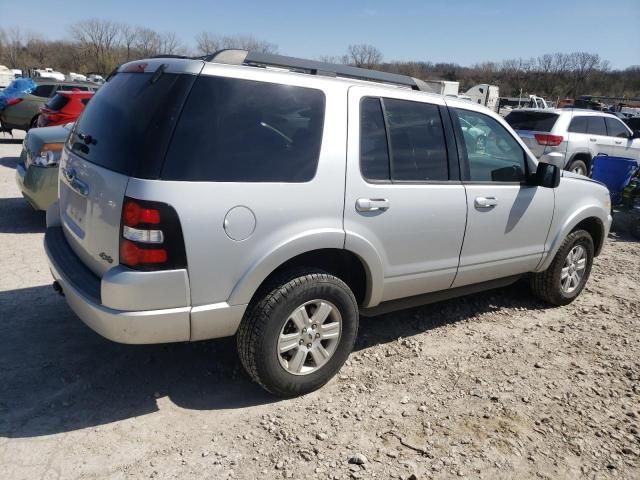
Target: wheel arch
x=584 y=156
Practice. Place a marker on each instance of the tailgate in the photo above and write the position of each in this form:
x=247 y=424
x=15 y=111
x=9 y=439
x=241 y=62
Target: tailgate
x=529 y=139
x=90 y=208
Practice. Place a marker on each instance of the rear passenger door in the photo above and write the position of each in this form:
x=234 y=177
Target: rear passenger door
x=404 y=197
x=588 y=134
x=623 y=144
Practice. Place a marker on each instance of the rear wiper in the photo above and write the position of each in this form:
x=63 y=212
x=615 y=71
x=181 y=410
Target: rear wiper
x=158 y=73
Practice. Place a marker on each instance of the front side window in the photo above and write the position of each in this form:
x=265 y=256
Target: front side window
x=616 y=128
x=595 y=126
x=493 y=155
x=234 y=130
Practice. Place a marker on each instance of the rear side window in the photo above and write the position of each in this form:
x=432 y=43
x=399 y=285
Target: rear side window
x=234 y=130
x=537 y=121
x=418 y=151
x=43 y=91
x=616 y=128
x=374 y=154
x=57 y=102
x=578 y=125
x=595 y=126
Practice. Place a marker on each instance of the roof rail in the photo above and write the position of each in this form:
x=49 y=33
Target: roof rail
x=312 y=67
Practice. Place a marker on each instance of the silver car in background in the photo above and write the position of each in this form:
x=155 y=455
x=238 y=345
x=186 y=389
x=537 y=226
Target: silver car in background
x=226 y=197
x=574 y=136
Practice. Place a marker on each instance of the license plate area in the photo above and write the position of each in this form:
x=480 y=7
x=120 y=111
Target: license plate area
x=75 y=212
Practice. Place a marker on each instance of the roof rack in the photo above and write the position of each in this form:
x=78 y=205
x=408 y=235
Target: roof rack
x=312 y=67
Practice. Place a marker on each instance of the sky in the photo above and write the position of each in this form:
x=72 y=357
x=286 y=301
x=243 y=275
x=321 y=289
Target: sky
x=458 y=31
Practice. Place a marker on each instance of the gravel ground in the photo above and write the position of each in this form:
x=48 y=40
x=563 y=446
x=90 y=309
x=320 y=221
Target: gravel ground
x=491 y=386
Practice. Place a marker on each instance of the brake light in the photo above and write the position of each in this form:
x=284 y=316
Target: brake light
x=137 y=67
x=151 y=236
x=13 y=101
x=550 y=140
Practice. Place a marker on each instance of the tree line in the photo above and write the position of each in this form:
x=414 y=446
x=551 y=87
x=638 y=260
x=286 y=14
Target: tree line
x=100 y=45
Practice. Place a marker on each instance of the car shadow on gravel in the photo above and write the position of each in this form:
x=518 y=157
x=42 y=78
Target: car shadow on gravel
x=406 y=323
x=56 y=375
x=17 y=216
x=10 y=141
x=9 y=162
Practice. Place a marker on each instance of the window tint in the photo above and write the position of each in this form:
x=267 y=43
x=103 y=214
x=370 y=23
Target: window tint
x=595 y=126
x=537 y=121
x=578 y=125
x=374 y=153
x=44 y=91
x=129 y=122
x=616 y=128
x=57 y=102
x=633 y=123
x=493 y=154
x=234 y=130
x=418 y=150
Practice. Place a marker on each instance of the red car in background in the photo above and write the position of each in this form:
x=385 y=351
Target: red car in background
x=63 y=107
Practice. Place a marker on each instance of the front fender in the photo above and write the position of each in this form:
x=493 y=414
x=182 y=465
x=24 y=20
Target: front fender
x=568 y=224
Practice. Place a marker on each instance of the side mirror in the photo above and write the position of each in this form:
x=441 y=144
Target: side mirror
x=547 y=176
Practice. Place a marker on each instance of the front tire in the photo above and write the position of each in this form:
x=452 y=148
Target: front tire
x=567 y=275
x=298 y=332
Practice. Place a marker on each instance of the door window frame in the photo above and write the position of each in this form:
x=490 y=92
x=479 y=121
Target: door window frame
x=465 y=169
x=452 y=156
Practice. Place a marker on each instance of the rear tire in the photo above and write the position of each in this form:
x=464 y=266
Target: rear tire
x=567 y=275
x=579 y=167
x=279 y=342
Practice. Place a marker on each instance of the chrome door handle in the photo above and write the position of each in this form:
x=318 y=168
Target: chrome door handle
x=372 y=204
x=619 y=143
x=485 y=202
x=593 y=139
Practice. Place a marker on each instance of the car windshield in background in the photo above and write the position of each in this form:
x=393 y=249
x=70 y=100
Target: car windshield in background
x=57 y=102
x=536 y=121
x=128 y=123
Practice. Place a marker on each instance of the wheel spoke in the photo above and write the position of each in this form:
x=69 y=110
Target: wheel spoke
x=320 y=355
x=297 y=362
x=301 y=318
x=321 y=314
x=581 y=264
x=564 y=273
x=288 y=341
x=330 y=331
x=566 y=282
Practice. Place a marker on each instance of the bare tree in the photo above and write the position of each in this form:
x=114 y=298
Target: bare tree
x=147 y=42
x=169 y=44
x=128 y=37
x=208 y=43
x=363 y=55
x=100 y=38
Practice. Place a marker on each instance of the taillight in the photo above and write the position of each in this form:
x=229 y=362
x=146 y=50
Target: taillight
x=550 y=140
x=13 y=101
x=151 y=236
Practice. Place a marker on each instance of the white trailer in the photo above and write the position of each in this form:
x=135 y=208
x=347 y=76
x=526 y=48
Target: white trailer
x=485 y=94
x=6 y=76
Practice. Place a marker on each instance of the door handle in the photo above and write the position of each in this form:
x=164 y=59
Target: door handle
x=485 y=202
x=593 y=139
x=618 y=143
x=372 y=204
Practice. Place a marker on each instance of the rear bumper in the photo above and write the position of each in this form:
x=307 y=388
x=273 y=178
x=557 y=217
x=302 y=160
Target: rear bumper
x=84 y=293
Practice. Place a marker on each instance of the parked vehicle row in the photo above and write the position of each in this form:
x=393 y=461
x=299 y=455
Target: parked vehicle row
x=571 y=138
x=251 y=195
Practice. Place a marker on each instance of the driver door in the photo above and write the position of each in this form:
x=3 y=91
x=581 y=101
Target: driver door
x=508 y=219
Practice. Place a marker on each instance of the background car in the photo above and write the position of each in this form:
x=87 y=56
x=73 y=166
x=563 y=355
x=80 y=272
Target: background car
x=37 y=169
x=574 y=136
x=23 y=114
x=63 y=107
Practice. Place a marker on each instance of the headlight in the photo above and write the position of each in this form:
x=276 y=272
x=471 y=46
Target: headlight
x=49 y=155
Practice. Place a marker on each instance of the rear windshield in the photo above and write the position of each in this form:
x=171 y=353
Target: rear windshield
x=536 y=121
x=234 y=130
x=128 y=123
x=57 y=102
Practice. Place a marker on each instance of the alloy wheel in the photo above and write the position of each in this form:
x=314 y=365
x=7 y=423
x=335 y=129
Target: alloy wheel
x=573 y=269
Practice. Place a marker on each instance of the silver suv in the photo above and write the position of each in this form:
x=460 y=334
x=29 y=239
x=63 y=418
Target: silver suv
x=278 y=199
x=570 y=138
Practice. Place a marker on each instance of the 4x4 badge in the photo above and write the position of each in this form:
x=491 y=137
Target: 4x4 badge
x=105 y=257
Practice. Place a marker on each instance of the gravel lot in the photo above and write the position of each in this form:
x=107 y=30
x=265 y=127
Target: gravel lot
x=490 y=386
